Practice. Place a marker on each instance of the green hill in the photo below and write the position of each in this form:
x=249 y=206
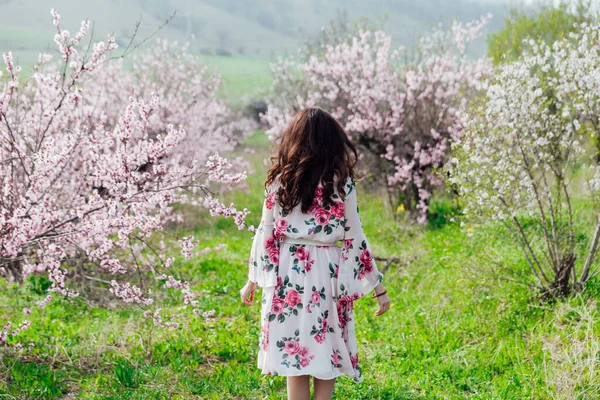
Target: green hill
x=259 y=28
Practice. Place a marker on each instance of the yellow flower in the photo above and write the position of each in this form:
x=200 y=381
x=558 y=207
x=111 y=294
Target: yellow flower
x=400 y=208
x=469 y=230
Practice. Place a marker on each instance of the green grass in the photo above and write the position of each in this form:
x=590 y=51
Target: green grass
x=243 y=76
x=452 y=333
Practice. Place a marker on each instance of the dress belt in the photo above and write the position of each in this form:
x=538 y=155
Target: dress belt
x=307 y=242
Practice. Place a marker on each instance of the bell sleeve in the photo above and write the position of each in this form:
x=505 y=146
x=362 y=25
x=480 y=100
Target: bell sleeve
x=264 y=256
x=358 y=274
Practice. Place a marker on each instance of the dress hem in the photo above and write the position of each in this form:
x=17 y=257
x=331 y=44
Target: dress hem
x=337 y=375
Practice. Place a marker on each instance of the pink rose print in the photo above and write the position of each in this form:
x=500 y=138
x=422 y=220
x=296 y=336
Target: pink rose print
x=308 y=265
x=320 y=338
x=277 y=305
x=274 y=255
x=292 y=298
x=304 y=361
x=337 y=209
x=318 y=197
x=346 y=302
x=301 y=253
x=324 y=324
x=354 y=361
x=281 y=226
x=270 y=201
x=347 y=244
x=300 y=355
x=335 y=359
x=279 y=282
x=316 y=297
x=292 y=347
x=270 y=243
x=322 y=216
x=366 y=257
x=265 y=335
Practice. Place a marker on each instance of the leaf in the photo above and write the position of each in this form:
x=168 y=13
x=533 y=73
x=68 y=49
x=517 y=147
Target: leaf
x=272 y=317
x=297 y=332
x=295 y=230
x=281 y=318
x=319 y=228
x=280 y=344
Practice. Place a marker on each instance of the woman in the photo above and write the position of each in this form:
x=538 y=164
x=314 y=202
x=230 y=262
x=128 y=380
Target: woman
x=310 y=283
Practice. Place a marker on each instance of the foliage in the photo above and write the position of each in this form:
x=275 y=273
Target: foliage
x=92 y=161
x=404 y=119
x=447 y=335
x=548 y=24
x=521 y=150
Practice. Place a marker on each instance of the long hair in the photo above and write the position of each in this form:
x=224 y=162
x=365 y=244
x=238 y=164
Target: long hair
x=313 y=149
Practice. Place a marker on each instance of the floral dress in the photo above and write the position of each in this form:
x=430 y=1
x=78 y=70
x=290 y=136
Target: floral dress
x=310 y=284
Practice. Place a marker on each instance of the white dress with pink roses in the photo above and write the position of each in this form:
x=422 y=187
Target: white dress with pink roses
x=309 y=285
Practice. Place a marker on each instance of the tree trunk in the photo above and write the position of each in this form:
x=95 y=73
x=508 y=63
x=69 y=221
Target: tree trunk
x=561 y=285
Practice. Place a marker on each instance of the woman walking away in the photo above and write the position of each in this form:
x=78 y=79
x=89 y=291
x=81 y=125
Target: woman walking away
x=309 y=282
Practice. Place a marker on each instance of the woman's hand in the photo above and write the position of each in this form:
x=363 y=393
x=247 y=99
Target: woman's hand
x=383 y=300
x=247 y=292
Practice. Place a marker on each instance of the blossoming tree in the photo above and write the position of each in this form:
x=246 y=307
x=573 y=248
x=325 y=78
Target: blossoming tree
x=404 y=118
x=519 y=159
x=90 y=168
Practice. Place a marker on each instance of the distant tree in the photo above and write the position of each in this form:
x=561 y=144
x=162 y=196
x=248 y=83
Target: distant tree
x=548 y=23
x=403 y=118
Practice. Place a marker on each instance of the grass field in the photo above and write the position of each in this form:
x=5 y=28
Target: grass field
x=243 y=77
x=449 y=334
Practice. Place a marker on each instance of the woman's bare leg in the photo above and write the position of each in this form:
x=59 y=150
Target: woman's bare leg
x=298 y=387
x=323 y=388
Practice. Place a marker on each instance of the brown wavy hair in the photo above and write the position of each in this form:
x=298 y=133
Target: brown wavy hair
x=313 y=149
